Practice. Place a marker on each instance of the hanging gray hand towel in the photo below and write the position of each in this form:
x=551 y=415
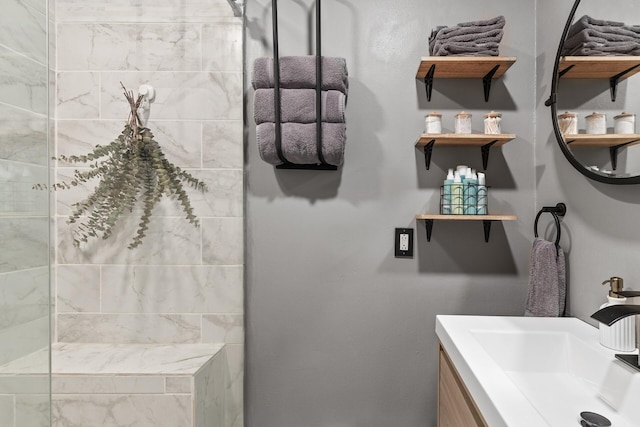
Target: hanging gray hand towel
x=298 y=105
x=299 y=143
x=547 y=281
x=299 y=72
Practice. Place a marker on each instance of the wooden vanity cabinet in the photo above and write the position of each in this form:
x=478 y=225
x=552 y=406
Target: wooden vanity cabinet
x=456 y=407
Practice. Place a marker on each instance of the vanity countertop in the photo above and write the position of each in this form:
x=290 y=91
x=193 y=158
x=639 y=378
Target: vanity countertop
x=533 y=371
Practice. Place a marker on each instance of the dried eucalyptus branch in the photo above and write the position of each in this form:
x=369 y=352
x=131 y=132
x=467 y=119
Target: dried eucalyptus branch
x=131 y=169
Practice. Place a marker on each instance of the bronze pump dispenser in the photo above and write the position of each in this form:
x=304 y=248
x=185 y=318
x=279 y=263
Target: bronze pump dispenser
x=616 y=283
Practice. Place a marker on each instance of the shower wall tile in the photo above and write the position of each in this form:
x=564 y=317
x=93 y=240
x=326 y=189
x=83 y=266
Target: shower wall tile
x=23 y=135
x=222 y=46
x=25 y=338
x=222 y=144
x=24 y=243
x=107 y=384
x=168 y=241
x=222 y=241
x=209 y=393
x=17 y=192
x=227 y=328
x=161 y=289
x=6 y=411
x=120 y=410
x=235 y=385
x=23 y=28
x=130 y=47
x=25 y=296
x=23 y=82
x=128 y=328
x=140 y=11
x=178 y=384
x=78 y=95
x=78 y=288
x=179 y=95
x=33 y=410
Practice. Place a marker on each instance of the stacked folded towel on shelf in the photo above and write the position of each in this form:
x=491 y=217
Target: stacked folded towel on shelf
x=595 y=37
x=474 y=38
x=298 y=113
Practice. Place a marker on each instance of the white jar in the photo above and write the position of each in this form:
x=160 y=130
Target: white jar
x=596 y=124
x=568 y=123
x=462 y=122
x=624 y=123
x=433 y=122
x=492 y=123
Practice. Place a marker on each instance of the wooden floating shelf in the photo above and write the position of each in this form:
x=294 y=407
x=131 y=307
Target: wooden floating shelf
x=601 y=67
x=482 y=140
x=614 y=68
x=486 y=221
x=465 y=140
x=464 y=67
x=602 y=141
x=490 y=217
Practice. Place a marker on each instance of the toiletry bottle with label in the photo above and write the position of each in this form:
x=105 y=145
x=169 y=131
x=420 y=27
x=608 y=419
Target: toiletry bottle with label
x=621 y=336
x=456 y=195
x=470 y=188
x=482 y=207
x=446 y=194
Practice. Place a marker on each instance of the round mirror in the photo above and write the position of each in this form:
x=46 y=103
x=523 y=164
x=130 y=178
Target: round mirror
x=595 y=92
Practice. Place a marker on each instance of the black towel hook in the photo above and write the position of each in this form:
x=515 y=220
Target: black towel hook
x=559 y=209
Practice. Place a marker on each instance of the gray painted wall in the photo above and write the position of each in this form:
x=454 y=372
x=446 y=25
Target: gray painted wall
x=339 y=332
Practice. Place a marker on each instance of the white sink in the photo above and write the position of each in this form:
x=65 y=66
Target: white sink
x=526 y=371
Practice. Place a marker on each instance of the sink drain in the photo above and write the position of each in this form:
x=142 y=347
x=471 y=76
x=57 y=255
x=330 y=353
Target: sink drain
x=591 y=419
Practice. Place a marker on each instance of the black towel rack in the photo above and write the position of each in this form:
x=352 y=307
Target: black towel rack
x=560 y=209
x=286 y=164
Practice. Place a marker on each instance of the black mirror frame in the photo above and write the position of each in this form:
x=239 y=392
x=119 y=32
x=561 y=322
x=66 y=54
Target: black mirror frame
x=551 y=102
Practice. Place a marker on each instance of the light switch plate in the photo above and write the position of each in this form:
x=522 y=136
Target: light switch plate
x=404 y=243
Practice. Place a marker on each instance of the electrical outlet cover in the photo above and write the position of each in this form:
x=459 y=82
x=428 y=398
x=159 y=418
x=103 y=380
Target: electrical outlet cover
x=404 y=243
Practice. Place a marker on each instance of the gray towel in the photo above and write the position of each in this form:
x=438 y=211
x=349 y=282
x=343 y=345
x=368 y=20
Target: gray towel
x=595 y=36
x=468 y=49
x=299 y=72
x=612 y=49
x=489 y=30
x=547 y=281
x=299 y=143
x=588 y=22
x=298 y=105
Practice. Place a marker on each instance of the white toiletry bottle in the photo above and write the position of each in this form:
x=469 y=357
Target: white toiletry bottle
x=446 y=194
x=482 y=207
x=456 y=195
x=621 y=336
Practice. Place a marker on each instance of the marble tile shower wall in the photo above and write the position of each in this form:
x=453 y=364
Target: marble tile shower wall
x=184 y=284
x=24 y=224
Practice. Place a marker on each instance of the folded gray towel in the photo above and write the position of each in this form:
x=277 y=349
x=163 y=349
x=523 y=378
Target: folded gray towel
x=299 y=72
x=468 y=49
x=298 y=105
x=588 y=22
x=489 y=30
x=299 y=143
x=467 y=33
x=547 y=281
x=592 y=35
x=604 y=49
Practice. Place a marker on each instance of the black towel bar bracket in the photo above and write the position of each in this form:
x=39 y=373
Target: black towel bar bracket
x=286 y=164
x=558 y=210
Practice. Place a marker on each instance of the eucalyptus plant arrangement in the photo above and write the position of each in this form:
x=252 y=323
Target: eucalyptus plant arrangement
x=132 y=169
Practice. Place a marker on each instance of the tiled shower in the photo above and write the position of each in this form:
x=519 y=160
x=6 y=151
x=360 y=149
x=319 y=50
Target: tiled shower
x=183 y=288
